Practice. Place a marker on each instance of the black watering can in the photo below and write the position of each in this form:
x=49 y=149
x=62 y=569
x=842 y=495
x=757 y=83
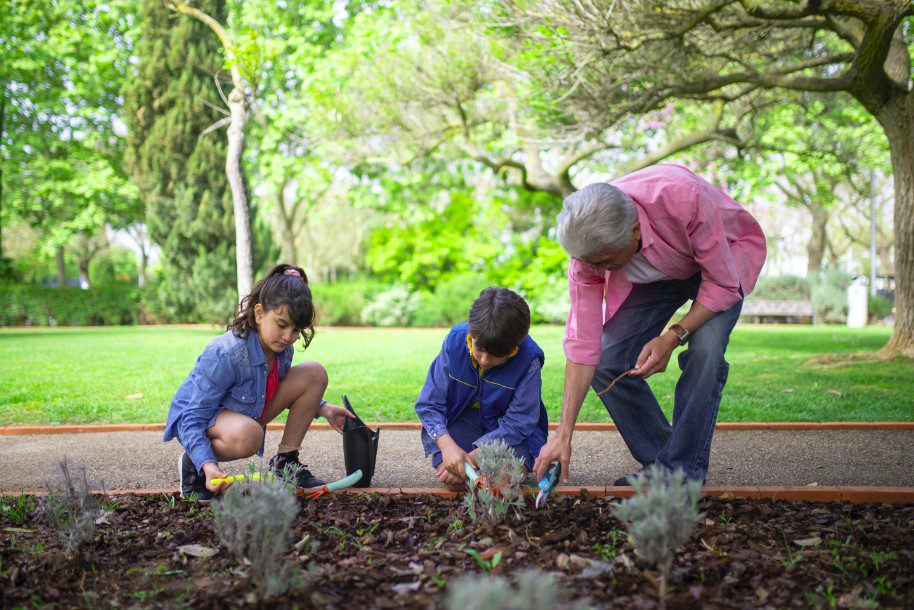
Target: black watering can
x=360 y=446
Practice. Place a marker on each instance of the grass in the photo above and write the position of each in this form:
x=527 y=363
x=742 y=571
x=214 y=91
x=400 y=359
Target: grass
x=82 y=375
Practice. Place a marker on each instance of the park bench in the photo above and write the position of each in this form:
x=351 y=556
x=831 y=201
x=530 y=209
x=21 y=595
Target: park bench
x=765 y=311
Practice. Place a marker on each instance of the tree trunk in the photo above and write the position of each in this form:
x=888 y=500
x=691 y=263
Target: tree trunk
x=61 y=266
x=897 y=119
x=83 y=263
x=243 y=256
x=815 y=249
x=141 y=272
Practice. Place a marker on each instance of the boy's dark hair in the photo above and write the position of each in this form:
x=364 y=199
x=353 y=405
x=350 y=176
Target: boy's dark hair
x=498 y=321
x=284 y=286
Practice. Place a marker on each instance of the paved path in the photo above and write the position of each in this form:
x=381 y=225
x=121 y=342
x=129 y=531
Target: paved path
x=139 y=460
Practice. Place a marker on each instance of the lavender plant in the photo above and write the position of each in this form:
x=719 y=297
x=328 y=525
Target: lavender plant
x=660 y=516
x=533 y=591
x=71 y=508
x=503 y=474
x=254 y=521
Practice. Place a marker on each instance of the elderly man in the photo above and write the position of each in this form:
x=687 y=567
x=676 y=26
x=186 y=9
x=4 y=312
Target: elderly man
x=640 y=248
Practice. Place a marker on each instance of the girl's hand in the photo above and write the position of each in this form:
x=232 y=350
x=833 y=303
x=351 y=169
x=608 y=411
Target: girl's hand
x=335 y=415
x=212 y=471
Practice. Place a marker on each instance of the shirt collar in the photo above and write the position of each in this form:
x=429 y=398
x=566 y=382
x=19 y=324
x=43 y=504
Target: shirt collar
x=255 y=350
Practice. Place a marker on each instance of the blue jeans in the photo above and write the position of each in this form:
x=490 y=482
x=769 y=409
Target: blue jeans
x=631 y=403
x=467 y=428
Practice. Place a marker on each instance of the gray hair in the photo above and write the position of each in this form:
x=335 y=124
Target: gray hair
x=597 y=217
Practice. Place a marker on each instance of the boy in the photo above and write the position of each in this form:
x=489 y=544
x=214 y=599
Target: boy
x=484 y=386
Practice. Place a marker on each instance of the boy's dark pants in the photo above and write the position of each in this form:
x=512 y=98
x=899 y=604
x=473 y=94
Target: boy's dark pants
x=467 y=428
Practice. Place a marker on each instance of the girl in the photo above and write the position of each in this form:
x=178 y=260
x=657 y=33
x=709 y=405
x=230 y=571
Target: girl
x=244 y=379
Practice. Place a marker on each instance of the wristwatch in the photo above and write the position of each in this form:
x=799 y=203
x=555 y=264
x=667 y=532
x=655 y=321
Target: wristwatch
x=682 y=333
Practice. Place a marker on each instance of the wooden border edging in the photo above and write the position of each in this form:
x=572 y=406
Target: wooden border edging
x=856 y=495
x=583 y=427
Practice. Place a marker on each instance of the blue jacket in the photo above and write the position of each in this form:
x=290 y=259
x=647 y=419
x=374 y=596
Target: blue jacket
x=231 y=373
x=510 y=406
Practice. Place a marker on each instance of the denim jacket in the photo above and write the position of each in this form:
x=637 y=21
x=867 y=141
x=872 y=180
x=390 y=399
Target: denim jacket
x=231 y=373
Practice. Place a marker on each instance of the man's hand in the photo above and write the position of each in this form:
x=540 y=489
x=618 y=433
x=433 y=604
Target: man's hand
x=451 y=471
x=656 y=355
x=212 y=471
x=335 y=415
x=558 y=449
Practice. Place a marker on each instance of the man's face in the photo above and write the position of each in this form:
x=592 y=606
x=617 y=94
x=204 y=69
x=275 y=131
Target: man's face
x=275 y=327
x=609 y=259
x=484 y=358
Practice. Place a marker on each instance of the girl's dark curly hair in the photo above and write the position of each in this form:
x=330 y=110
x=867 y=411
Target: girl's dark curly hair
x=284 y=286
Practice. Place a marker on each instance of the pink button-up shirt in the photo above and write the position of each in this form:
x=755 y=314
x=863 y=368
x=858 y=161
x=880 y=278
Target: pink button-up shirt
x=687 y=225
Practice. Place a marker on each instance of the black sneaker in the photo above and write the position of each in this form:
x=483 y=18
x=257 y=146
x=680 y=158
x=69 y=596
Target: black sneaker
x=193 y=484
x=623 y=481
x=287 y=463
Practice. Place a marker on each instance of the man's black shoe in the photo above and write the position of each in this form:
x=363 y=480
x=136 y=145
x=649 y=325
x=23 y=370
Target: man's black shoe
x=193 y=484
x=287 y=464
x=623 y=481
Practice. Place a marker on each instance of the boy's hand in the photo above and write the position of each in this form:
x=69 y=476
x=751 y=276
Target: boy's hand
x=335 y=415
x=558 y=449
x=452 y=460
x=212 y=471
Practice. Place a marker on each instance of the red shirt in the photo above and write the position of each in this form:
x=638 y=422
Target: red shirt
x=272 y=385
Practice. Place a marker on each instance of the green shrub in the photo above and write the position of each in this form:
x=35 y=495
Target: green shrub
x=534 y=591
x=70 y=508
x=829 y=295
x=341 y=303
x=391 y=307
x=503 y=472
x=660 y=516
x=879 y=307
x=254 y=522
x=68 y=306
x=451 y=300
x=782 y=288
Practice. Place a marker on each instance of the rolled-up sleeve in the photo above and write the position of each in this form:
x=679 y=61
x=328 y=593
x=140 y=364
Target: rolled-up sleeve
x=719 y=277
x=585 y=317
x=523 y=413
x=430 y=406
x=212 y=377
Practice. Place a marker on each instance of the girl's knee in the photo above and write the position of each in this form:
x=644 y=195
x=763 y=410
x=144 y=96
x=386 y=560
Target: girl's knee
x=313 y=373
x=246 y=438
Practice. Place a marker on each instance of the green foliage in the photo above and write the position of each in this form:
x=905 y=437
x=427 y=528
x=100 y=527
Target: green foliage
x=503 y=474
x=391 y=307
x=781 y=288
x=70 y=508
x=450 y=302
x=534 y=591
x=115 y=303
x=341 y=303
x=660 y=516
x=181 y=173
x=879 y=307
x=254 y=522
x=828 y=290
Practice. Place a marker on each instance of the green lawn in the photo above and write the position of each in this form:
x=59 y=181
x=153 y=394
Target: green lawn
x=62 y=376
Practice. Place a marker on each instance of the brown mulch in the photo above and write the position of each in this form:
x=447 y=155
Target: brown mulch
x=386 y=551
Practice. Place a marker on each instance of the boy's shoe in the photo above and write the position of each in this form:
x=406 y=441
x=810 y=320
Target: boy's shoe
x=283 y=463
x=193 y=484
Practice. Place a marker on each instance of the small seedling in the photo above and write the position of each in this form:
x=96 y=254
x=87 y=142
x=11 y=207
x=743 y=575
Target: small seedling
x=17 y=509
x=71 y=508
x=502 y=474
x=486 y=564
x=533 y=591
x=254 y=521
x=660 y=517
